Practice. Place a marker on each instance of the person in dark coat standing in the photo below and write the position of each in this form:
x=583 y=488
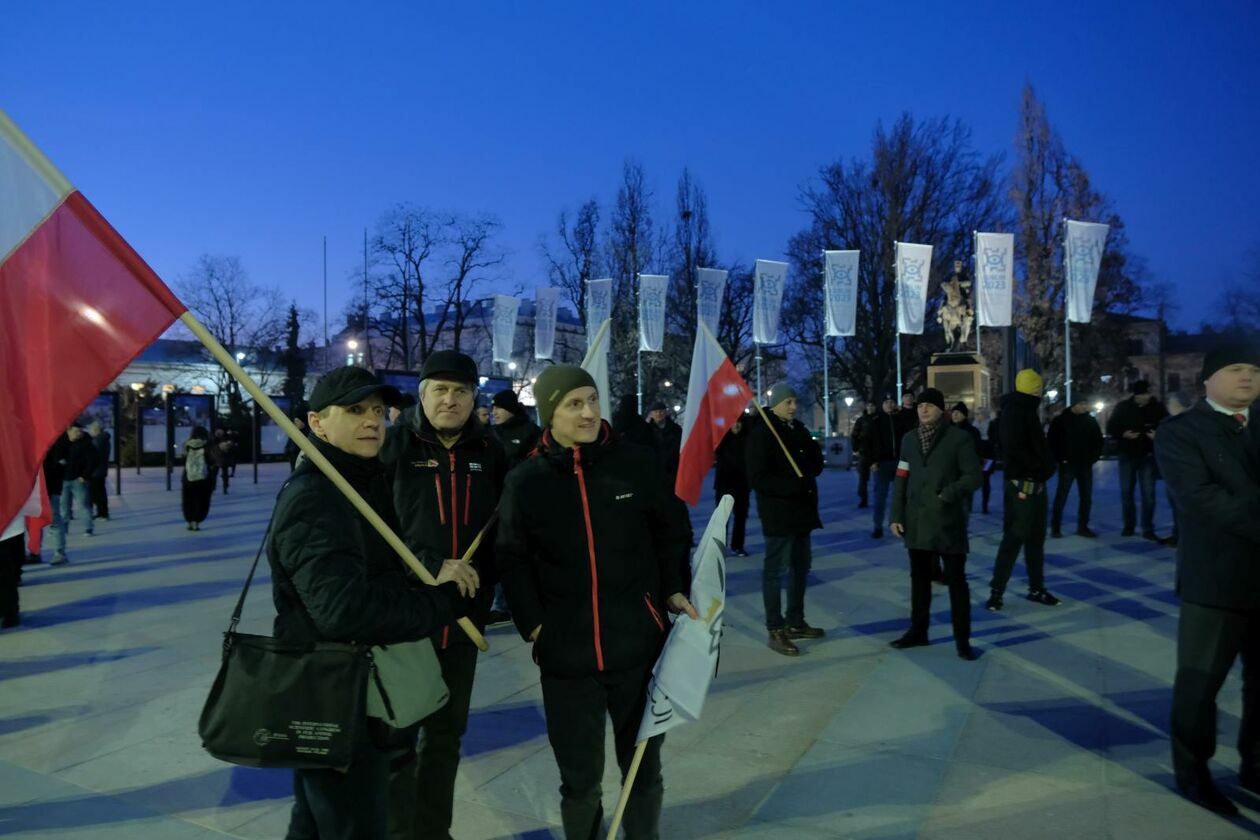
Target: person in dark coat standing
x=96 y=486
x=1132 y=426
x=857 y=440
x=221 y=457
x=1210 y=457
x=54 y=480
x=1076 y=444
x=788 y=507
x=961 y=417
x=512 y=427
x=993 y=454
x=730 y=478
x=80 y=464
x=1028 y=468
x=667 y=438
x=938 y=473
x=879 y=449
x=590 y=552
x=196 y=486
x=334 y=578
x=627 y=422
x=291 y=449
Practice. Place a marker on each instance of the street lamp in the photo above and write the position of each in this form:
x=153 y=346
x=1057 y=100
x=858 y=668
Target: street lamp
x=1052 y=395
x=240 y=357
x=848 y=402
x=668 y=384
x=1099 y=406
x=352 y=344
x=511 y=365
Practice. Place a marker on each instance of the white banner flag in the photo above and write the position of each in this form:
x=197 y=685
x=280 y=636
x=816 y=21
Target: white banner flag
x=768 y=300
x=1085 y=243
x=545 y=301
x=995 y=278
x=914 y=265
x=682 y=674
x=504 y=335
x=596 y=364
x=598 y=306
x=710 y=287
x=841 y=291
x=653 y=289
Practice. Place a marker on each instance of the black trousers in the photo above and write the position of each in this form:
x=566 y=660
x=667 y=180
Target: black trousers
x=1209 y=639
x=328 y=805
x=739 y=513
x=195 y=498
x=864 y=479
x=99 y=496
x=1023 y=527
x=921 y=566
x=12 y=554
x=577 y=709
x=1083 y=475
x=986 y=489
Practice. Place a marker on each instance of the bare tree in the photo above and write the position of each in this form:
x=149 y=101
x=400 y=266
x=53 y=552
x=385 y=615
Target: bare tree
x=404 y=244
x=631 y=249
x=573 y=261
x=471 y=253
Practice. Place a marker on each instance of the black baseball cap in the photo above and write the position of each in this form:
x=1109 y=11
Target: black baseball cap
x=349 y=385
x=450 y=364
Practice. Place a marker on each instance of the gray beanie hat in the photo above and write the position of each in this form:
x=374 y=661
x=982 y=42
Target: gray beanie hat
x=553 y=383
x=780 y=392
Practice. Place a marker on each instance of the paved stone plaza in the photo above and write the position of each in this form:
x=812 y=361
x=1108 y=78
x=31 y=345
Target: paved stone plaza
x=1059 y=730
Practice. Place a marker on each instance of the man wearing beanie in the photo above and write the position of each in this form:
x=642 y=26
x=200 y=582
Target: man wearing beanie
x=591 y=552
x=1076 y=444
x=961 y=417
x=788 y=508
x=1028 y=468
x=938 y=472
x=880 y=445
x=1132 y=426
x=512 y=426
x=1210 y=457
x=447 y=472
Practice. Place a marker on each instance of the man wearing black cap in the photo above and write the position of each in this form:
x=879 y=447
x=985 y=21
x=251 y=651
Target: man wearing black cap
x=1210 y=457
x=880 y=446
x=590 y=551
x=512 y=426
x=1132 y=426
x=334 y=578
x=447 y=472
x=667 y=438
x=1076 y=444
x=961 y=417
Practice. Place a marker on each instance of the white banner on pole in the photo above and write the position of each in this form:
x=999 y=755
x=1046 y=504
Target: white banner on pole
x=653 y=289
x=545 y=301
x=914 y=265
x=506 y=308
x=995 y=281
x=598 y=306
x=841 y=291
x=1085 y=243
x=768 y=300
x=710 y=287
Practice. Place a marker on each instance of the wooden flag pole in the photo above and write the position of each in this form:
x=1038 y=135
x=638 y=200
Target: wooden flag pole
x=626 y=786
x=309 y=449
x=782 y=445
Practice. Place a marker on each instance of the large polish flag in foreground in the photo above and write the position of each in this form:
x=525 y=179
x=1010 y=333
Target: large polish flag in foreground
x=77 y=304
x=716 y=396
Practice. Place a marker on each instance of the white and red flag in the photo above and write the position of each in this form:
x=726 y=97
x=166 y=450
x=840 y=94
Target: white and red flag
x=716 y=397
x=77 y=304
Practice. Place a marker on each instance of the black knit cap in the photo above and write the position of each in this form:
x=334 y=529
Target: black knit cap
x=553 y=383
x=1140 y=387
x=349 y=385
x=1232 y=352
x=506 y=400
x=962 y=407
x=449 y=364
x=933 y=396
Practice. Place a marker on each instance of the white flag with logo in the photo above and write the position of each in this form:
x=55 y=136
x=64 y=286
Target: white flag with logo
x=653 y=289
x=710 y=287
x=841 y=291
x=914 y=264
x=596 y=364
x=768 y=300
x=504 y=334
x=682 y=674
x=545 y=301
x=995 y=278
x=1085 y=243
x=598 y=306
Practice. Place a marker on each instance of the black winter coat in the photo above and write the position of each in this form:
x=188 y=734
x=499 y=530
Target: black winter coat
x=931 y=489
x=731 y=474
x=518 y=437
x=1024 y=446
x=787 y=505
x=80 y=459
x=971 y=430
x=667 y=439
x=590 y=547
x=879 y=440
x=55 y=465
x=101 y=442
x=1075 y=439
x=1212 y=467
x=1128 y=416
x=861 y=428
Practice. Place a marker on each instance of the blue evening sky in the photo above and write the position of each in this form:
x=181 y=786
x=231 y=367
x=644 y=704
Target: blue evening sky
x=256 y=128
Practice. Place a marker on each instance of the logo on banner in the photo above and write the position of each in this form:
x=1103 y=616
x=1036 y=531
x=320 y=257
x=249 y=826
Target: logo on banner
x=1086 y=257
x=993 y=269
x=841 y=283
x=912 y=279
x=599 y=300
x=769 y=295
x=653 y=298
x=546 y=309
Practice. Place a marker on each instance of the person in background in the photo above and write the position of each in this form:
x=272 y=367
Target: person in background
x=196 y=486
x=97 y=490
x=879 y=449
x=483 y=414
x=1076 y=444
x=993 y=447
x=80 y=464
x=519 y=436
x=1132 y=426
x=54 y=481
x=221 y=459
x=730 y=478
x=961 y=418
x=1178 y=402
x=857 y=440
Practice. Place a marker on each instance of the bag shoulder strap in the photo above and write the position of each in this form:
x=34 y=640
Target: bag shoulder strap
x=240 y=602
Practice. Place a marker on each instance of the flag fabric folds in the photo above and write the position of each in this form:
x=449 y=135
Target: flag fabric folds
x=545 y=302
x=506 y=309
x=716 y=397
x=710 y=287
x=995 y=278
x=598 y=307
x=841 y=291
x=914 y=265
x=1084 y=243
x=653 y=290
x=596 y=364
x=77 y=304
x=768 y=284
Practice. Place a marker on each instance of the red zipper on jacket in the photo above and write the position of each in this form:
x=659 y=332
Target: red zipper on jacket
x=647 y=599
x=590 y=548
x=437 y=482
x=446 y=631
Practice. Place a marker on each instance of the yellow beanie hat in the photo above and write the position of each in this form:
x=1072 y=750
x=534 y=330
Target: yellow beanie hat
x=1028 y=381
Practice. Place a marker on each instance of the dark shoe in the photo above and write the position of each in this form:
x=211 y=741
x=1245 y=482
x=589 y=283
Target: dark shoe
x=10 y=621
x=1151 y=535
x=1084 y=531
x=909 y=640
x=1041 y=596
x=780 y=643
x=804 y=631
x=190 y=527
x=196 y=526
x=877 y=533
x=1056 y=533
x=968 y=653
x=1202 y=791
x=498 y=617
x=1127 y=532
x=32 y=559
x=994 y=604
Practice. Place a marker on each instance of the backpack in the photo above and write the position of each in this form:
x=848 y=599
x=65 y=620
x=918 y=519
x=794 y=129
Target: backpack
x=195 y=464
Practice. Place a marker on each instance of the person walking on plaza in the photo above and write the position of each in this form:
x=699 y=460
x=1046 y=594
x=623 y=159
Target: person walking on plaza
x=96 y=486
x=730 y=478
x=1076 y=444
x=1028 y=468
x=335 y=579
x=80 y=463
x=221 y=457
x=590 y=552
x=196 y=487
x=1210 y=457
x=788 y=507
x=446 y=468
x=1132 y=426
x=857 y=441
x=938 y=472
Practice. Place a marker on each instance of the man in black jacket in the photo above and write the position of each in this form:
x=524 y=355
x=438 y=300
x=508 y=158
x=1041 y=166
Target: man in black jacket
x=80 y=463
x=590 y=551
x=447 y=472
x=98 y=491
x=1132 y=426
x=961 y=416
x=1210 y=457
x=788 y=507
x=54 y=480
x=879 y=449
x=857 y=440
x=730 y=478
x=513 y=428
x=1028 y=468
x=334 y=578
x=1076 y=444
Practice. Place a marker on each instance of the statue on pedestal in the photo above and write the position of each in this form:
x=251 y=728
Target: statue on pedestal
x=956 y=315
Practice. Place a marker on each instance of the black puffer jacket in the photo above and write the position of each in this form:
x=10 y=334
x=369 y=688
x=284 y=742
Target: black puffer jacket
x=103 y=452
x=731 y=474
x=1023 y=442
x=80 y=459
x=879 y=438
x=1075 y=439
x=590 y=547
x=518 y=437
x=1128 y=416
x=787 y=505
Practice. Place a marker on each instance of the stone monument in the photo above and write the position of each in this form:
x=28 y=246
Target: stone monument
x=960 y=372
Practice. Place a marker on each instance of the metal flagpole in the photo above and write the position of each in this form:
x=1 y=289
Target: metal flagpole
x=367 y=344
x=325 y=303
x=1067 y=317
x=826 y=358
x=975 y=284
x=760 y=394
x=638 y=355
x=897 y=317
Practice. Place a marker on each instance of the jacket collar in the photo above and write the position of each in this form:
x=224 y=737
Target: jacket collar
x=415 y=420
x=358 y=471
x=562 y=456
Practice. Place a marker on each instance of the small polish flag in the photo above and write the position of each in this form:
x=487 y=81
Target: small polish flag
x=903 y=469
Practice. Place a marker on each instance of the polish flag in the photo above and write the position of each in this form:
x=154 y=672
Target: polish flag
x=716 y=397
x=77 y=304
x=38 y=515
